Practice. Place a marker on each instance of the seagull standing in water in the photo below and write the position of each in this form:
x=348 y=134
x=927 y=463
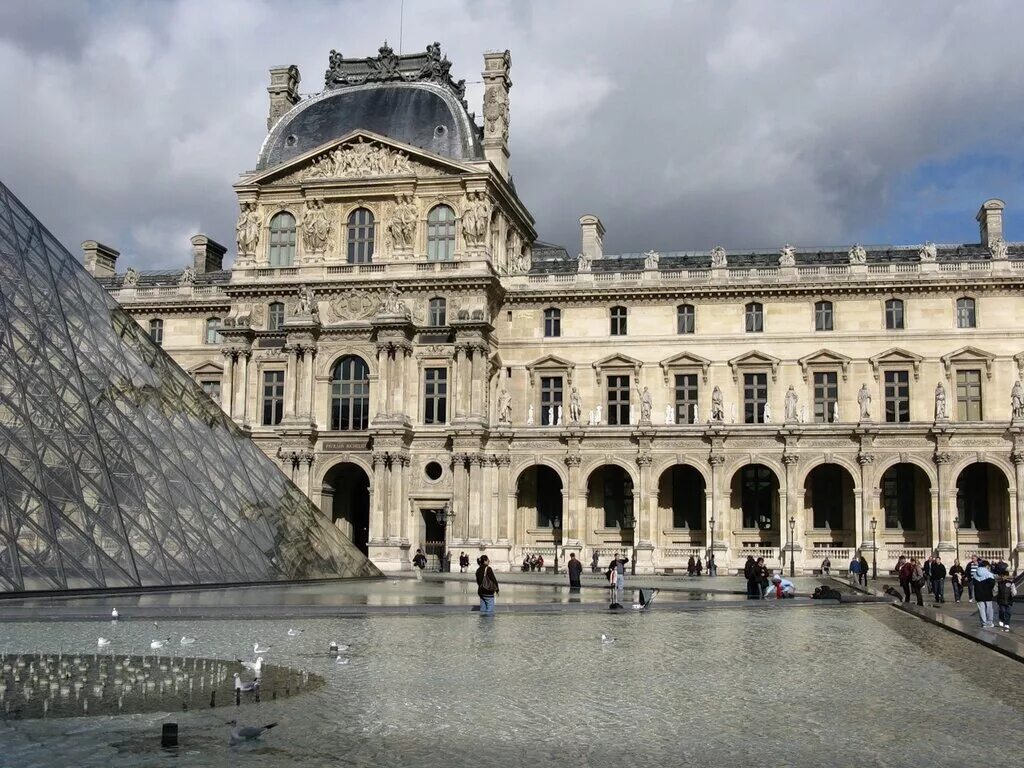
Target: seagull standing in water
x=245 y=687
x=240 y=733
x=256 y=667
x=156 y=644
x=187 y=640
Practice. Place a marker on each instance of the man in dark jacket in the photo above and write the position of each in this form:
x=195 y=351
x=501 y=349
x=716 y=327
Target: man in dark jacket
x=575 y=569
x=753 y=591
x=938 y=573
x=927 y=568
x=863 y=570
x=969 y=569
x=486 y=585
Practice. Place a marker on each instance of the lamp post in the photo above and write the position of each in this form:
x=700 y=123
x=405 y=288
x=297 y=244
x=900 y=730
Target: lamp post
x=444 y=519
x=874 y=551
x=556 y=535
x=792 y=533
x=956 y=532
x=711 y=543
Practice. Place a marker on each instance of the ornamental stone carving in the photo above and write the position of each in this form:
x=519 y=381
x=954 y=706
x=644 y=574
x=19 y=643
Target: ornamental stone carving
x=864 y=401
x=651 y=259
x=718 y=257
x=766 y=414
x=131 y=278
x=787 y=256
x=1017 y=400
x=646 y=404
x=188 y=276
x=353 y=305
x=999 y=250
x=582 y=262
x=940 y=402
x=392 y=303
x=496 y=111
x=475 y=220
x=717 y=405
x=387 y=66
x=307 y=306
x=247 y=231
x=360 y=160
x=316 y=230
x=575 y=406
x=858 y=255
x=402 y=226
x=928 y=253
x=791 y=404
x=504 y=407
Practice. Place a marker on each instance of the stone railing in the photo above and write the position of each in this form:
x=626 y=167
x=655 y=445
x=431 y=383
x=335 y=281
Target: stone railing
x=182 y=293
x=986 y=553
x=840 y=556
x=895 y=550
x=768 y=553
x=683 y=553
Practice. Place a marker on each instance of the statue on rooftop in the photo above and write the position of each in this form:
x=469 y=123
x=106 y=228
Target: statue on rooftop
x=131 y=278
x=858 y=255
x=651 y=259
x=188 y=275
x=928 y=252
x=582 y=263
x=999 y=250
x=787 y=256
x=718 y=257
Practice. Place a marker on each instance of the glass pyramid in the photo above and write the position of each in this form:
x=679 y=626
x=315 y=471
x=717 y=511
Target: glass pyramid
x=116 y=470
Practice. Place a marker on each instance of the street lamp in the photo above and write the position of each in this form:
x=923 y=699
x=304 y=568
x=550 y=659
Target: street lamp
x=444 y=519
x=792 y=533
x=556 y=535
x=956 y=532
x=711 y=544
x=874 y=551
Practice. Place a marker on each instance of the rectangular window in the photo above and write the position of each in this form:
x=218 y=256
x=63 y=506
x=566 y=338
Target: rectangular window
x=754 y=315
x=897 y=396
x=618 y=321
x=755 y=395
x=435 y=395
x=156 y=331
x=894 y=315
x=552 y=322
x=686 y=319
x=550 y=399
x=968 y=395
x=826 y=393
x=212 y=388
x=686 y=398
x=823 y=316
x=618 y=400
x=965 y=314
x=273 y=397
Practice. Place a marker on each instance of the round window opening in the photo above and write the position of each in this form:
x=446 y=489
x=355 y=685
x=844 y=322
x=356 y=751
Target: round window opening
x=434 y=470
x=290 y=140
x=440 y=131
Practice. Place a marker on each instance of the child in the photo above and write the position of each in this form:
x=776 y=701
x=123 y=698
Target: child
x=1006 y=590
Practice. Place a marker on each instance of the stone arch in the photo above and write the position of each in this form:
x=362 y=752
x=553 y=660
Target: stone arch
x=345 y=458
x=347 y=485
x=739 y=462
x=906 y=490
x=597 y=463
x=698 y=463
x=983 y=505
x=808 y=464
x=964 y=461
x=682 y=498
x=925 y=465
x=558 y=466
x=328 y=359
x=756 y=508
x=829 y=499
x=612 y=502
x=540 y=493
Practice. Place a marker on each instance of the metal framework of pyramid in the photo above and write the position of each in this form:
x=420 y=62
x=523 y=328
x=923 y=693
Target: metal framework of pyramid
x=116 y=470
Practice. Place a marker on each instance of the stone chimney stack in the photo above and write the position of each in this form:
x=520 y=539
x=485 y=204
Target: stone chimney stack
x=208 y=254
x=283 y=90
x=496 y=87
x=593 y=237
x=990 y=217
x=99 y=259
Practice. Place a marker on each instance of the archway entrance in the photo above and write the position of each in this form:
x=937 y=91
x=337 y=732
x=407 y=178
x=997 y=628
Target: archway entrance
x=983 y=510
x=610 y=509
x=348 y=487
x=539 y=505
x=754 y=501
x=682 y=519
x=906 y=502
x=830 y=507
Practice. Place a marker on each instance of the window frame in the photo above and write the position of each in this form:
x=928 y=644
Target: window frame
x=891 y=316
x=688 y=384
x=753 y=315
x=827 y=403
x=964 y=403
x=617 y=404
x=204 y=382
x=360 y=236
x=272 y=313
x=435 y=395
x=281 y=240
x=552 y=323
x=896 y=404
x=824 y=316
x=967 y=314
x=756 y=416
x=686 y=319
x=272 y=400
x=441 y=232
x=217 y=338
x=618 y=319
x=437 y=312
x=156 y=330
x=351 y=395
x=547 y=393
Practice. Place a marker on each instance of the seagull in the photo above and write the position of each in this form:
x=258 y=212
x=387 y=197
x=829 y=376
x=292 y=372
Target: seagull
x=256 y=648
x=341 y=660
x=245 y=687
x=114 y=614
x=253 y=666
x=187 y=640
x=247 y=732
x=295 y=632
x=337 y=647
x=103 y=642
x=607 y=640
x=159 y=643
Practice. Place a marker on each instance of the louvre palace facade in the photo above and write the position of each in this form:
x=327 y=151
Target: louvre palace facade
x=394 y=332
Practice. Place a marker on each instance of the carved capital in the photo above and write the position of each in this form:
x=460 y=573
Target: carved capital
x=572 y=459
x=942 y=458
x=644 y=459
x=1017 y=457
x=502 y=460
x=380 y=457
x=789 y=459
x=716 y=459
x=865 y=458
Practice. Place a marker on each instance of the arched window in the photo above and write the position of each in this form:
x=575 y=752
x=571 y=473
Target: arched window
x=552 y=322
x=350 y=394
x=212 y=334
x=618 y=321
x=156 y=331
x=754 y=316
x=965 y=314
x=282 y=240
x=823 y=316
x=360 y=236
x=441 y=233
x=275 y=317
x=686 y=318
x=436 y=312
x=894 y=314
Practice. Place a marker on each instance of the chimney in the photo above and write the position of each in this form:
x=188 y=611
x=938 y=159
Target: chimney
x=99 y=259
x=283 y=90
x=990 y=217
x=208 y=254
x=593 y=237
x=496 y=88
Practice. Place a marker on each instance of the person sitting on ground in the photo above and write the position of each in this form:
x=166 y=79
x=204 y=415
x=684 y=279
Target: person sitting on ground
x=780 y=588
x=540 y=562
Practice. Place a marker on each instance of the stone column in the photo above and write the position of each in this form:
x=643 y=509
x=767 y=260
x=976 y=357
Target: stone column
x=396 y=492
x=398 y=382
x=389 y=365
x=460 y=498
x=303 y=465
x=792 y=510
x=505 y=519
x=573 y=522
x=291 y=373
x=717 y=542
x=378 y=501
x=228 y=395
x=240 y=391
x=477 y=386
x=1017 y=514
x=944 y=540
x=475 y=482
x=461 y=383
x=244 y=383
x=382 y=380
x=304 y=410
x=867 y=506
x=643 y=546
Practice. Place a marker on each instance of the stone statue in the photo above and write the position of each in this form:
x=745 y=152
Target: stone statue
x=928 y=252
x=999 y=250
x=575 y=406
x=835 y=411
x=359 y=160
x=504 y=407
x=392 y=303
x=732 y=413
x=858 y=255
x=131 y=278
x=718 y=257
x=651 y=260
x=307 y=301
x=864 y=401
x=496 y=112
x=521 y=265
x=316 y=230
x=717 y=405
x=787 y=256
x=598 y=414
x=558 y=421
x=590 y=418
x=582 y=263
x=766 y=414
x=669 y=416
x=402 y=227
x=188 y=276
x=940 y=402
x=475 y=220
x=247 y=231
x=646 y=404
x=803 y=414
x=1017 y=400
x=791 y=403
x=529 y=416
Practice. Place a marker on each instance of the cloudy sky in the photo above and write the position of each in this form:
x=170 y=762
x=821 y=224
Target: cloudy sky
x=681 y=124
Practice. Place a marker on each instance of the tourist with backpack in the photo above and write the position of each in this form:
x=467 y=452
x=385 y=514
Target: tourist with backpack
x=487 y=585
x=917 y=579
x=984 y=594
x=1006 y=590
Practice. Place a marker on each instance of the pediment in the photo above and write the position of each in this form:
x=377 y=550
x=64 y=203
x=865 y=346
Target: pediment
x=966 y=355
x=550 y=363
x=754 y=359
x=209 y=368
x=824 y=357
x=685 y=360
x=896 y=356
x=616 y=361
x=360 y=155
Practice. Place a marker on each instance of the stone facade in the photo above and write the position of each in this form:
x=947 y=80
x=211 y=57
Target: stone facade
x=595 y=403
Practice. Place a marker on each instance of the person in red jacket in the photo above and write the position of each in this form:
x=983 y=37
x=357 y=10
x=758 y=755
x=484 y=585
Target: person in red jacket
x=904 y=570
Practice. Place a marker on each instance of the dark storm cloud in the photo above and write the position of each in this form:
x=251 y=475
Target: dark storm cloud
x=682 y=125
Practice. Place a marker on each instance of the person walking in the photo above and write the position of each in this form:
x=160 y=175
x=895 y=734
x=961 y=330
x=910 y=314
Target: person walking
x=863 y=569
x=927 y=569
x=855 y=570
x=486 y=585
x=699 y=566
x=1006 y=590
x=690 y=566
x=575 y=569
x=463 y=562
x=972 y=566
x=712 y=565
x=419 y=562
x=984 y=594
x=595 y=566
x=903 y=571
x=749 y=573
x=938 y=574
x=917 y=579
x=956 y=578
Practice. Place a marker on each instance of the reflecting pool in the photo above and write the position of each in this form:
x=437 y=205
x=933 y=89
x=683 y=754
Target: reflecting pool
x=769 y=685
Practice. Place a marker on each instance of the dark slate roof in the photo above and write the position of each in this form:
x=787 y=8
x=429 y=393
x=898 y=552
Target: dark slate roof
x=156 y=277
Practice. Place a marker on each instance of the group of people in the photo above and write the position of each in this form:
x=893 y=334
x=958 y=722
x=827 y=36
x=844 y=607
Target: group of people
x=533 y=562
x=762 y=584
x=694 y=566
x=989 y=585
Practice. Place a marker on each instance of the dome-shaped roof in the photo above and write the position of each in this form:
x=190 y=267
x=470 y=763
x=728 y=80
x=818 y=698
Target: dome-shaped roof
x=422 y=114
